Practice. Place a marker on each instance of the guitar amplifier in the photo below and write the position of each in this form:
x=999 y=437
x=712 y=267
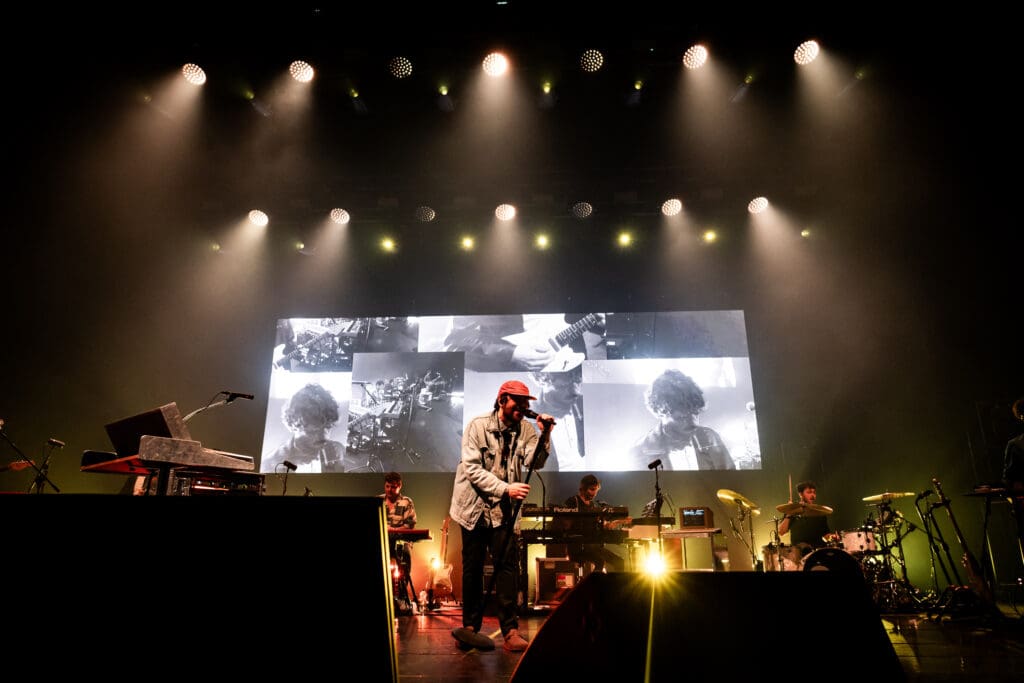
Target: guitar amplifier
x=696 y=517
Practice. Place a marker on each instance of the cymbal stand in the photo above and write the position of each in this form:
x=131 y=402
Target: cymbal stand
x=889 y=591
x=742 y=517
x=776 y=545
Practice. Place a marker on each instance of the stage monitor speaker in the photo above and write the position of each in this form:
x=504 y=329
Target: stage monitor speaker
x=711 y=626
x=243 y=584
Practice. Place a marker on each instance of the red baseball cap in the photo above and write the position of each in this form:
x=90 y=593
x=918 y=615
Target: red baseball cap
x=514 y=387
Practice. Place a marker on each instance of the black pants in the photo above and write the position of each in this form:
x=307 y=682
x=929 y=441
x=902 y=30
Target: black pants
x=476 y=545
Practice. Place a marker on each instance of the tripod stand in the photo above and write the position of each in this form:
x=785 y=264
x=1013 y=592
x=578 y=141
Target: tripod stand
x=42 y=478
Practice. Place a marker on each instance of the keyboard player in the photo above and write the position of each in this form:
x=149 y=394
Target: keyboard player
x=591 y=556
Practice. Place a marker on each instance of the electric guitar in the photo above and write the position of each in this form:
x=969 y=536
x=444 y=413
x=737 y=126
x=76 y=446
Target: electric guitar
x=441 y=581
x=552 y=331
x=975 y=576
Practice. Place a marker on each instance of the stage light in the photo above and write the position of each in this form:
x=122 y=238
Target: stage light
x=388 y=244
x=542 y=241
x=300 y=247
x=495 y=64
x=444 y=101
x=671 y=207
x=546 y=99
x=806 y=52
x=591 y=61
x=194 y=74
x=624 y=239
x=301 y=71
x=400 y=67
x=582 y=210
x=695 y=57
x=340 y=216
x=709 y=236
x=505 y=212
x=258 y=218
x=634 y=97
x=467 y=243
x=805 y=232
x=654 y=564
x=757 y=205
x=425 y=214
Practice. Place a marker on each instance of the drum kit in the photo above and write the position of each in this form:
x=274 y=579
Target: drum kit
x=873 y=551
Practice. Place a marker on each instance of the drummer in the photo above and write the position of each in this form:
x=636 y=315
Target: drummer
x=807 y=523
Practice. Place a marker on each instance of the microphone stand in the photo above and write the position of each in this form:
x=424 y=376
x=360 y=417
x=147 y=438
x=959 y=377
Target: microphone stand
x=543 y=502
x=41 y=478
x=215 y=404
x=658 y=500
x=466 y=635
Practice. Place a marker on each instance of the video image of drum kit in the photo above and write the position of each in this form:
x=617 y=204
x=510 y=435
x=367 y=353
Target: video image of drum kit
x=873 y=551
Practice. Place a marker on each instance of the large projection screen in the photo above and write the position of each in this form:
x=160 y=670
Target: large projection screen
x=377 y=394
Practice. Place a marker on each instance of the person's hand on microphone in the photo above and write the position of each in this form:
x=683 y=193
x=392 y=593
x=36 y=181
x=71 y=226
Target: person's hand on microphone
x=546 y=421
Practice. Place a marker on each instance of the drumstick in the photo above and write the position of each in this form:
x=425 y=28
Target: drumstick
x=790 y=487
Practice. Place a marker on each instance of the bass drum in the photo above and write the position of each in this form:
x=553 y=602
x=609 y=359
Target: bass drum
x=784 y=558
x=832 y=560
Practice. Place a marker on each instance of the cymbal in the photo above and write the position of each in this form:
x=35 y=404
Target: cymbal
x=805 y=509
x=739 y=500
x=886 y=497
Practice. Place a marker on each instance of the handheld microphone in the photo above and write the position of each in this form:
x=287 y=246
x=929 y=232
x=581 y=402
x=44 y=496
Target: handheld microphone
x=56 y=443
x=532 y=414
x=656 y=463
x=232 y=395
x=291 y=467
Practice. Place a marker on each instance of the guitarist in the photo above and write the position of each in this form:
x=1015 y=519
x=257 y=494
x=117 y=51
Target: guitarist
x=483 y=340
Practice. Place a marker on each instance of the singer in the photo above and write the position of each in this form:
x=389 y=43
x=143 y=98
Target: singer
x=309 y=414
x=489 y=482
x=678 y=440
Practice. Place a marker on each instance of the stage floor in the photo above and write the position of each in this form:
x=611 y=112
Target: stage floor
x=930 y=649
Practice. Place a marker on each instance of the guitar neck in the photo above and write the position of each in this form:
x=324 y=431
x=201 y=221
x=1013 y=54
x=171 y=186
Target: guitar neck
x=576 y=329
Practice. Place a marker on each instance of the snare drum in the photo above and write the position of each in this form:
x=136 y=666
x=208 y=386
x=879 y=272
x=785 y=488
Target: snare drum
x=785 y=558
x=858 y=541
x=832 y=560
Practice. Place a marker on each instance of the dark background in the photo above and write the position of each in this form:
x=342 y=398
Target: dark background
x=883 y=349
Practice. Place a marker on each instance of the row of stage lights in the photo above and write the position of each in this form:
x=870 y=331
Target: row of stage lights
x=504 y=213
x=497 y=64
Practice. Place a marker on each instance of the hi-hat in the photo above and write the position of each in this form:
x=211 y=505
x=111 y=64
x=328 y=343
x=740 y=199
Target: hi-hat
x=805 y=509
x=739 y=500
x=886 y=497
